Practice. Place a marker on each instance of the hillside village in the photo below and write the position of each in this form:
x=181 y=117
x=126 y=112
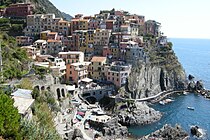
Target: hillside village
x=82 y=61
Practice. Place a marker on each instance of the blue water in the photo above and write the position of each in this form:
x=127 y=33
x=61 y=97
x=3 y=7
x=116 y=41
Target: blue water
x=194 y=55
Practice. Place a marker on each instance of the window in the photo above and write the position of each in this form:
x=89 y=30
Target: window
x=112 y=78
x=108 y=73
x=72 y=61
x=70 y=72
x=117 y=79
x=112 y=74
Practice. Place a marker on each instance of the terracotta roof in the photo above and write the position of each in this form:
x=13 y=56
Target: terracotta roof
x=51 y=40
x=98 y=59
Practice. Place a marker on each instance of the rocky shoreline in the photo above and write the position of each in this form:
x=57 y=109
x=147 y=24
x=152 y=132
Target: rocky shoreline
x=167 y=132
x=142 y=115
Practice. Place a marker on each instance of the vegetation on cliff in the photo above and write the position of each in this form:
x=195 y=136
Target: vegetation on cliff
x=9 y=117
x=15 y=59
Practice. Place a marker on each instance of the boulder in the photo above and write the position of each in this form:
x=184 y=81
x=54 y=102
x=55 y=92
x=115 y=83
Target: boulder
x=167 y=132
x=75 y=135
x=191 y=86
x=199 y=85
x=195 y=132
x=190 y=77
x=113 y=130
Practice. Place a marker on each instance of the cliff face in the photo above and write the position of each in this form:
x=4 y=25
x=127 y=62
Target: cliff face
x=163 y=72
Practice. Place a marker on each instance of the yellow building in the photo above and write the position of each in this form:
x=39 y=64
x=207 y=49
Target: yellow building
x=86 y=41
x=96 y=67
x=79 y=24
x=44 y=35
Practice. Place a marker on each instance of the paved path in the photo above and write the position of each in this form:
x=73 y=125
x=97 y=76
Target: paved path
x=80 y=125
x=151 y=97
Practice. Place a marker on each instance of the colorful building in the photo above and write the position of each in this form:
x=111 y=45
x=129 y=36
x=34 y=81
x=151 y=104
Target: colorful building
x=24 y=40
x=19 y=10
x=63 y=27
x=76 y=72
x=54 y=47
x=79 y=24
x=41 y=45
x=72 y=56
x=96 y=67
x=44 y=35
x=152 y=28
x=102 y=37
x=117 y=73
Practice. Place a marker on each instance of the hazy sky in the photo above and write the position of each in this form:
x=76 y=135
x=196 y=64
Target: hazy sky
x=179 y=18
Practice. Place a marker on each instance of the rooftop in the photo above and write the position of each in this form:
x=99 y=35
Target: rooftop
x=52 y=40
x=80 y=63
x=70 y=52
x=40 y=41
x=98 y=59
x=23 y=93
x=22 y=104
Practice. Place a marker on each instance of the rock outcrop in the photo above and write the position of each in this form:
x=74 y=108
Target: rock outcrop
x=195 y=131
x=161 y=72
x=195 y=86
x=114 y=130
x=140 y=116
x=75 y=135
x=168 y=133
x=149 y=80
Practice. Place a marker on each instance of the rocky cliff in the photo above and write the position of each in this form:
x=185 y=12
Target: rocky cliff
x=162 y=72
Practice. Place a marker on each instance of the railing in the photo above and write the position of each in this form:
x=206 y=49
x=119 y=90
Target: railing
x=153 y=97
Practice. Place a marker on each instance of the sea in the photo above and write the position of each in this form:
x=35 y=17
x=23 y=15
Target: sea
x=194 y=55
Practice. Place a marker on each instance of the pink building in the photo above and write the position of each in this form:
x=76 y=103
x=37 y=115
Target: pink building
x=119 y=13
x=77 y=72
x=109 y=24
x=106 y=51
x=117 y=73
x=93 y=24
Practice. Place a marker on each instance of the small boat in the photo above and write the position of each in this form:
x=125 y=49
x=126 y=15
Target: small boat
x=162 y=103
x=168 y=100
x=190 y=108
x=185 y=93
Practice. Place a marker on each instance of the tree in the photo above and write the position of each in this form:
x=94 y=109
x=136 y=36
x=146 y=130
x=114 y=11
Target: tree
x=26 y=84
x=33 y=131
x=9 y=117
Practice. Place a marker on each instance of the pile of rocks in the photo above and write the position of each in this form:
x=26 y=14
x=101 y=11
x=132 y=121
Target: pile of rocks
x=113 y=130
x=168 y=133
x=142 y=115
x=75 y=135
